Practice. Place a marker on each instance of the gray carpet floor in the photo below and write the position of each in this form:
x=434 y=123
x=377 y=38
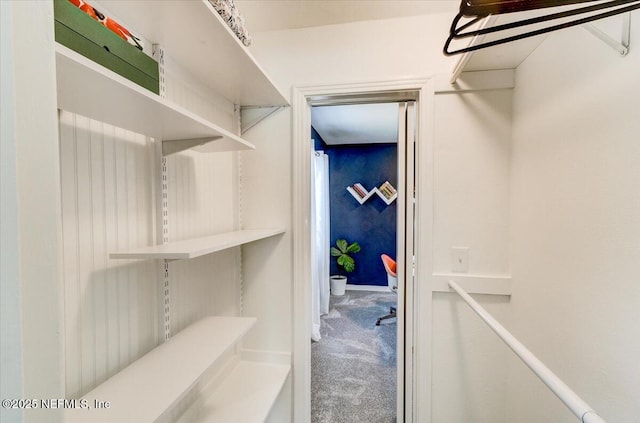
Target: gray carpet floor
x=353 y=370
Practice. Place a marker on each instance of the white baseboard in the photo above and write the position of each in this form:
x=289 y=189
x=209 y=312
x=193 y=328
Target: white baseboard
x=378 y=288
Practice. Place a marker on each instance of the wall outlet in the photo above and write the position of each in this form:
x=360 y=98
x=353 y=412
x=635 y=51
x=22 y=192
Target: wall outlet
x=460 y=259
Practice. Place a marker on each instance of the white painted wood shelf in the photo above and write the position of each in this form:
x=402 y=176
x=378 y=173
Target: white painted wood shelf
x=357 y=196
x=246 y=395
x=197 y=247
x=504 y=56
x=369 y=194
x=89 y=89
x=193 y=34
x=153 y=384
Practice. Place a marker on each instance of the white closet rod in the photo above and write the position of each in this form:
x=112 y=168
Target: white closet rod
x=573 y=402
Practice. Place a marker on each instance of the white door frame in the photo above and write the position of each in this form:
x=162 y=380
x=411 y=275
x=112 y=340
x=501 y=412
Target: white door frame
x=417 y=384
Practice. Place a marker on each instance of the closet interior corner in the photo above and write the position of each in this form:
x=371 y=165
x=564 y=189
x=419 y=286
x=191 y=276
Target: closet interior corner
x=153 y=230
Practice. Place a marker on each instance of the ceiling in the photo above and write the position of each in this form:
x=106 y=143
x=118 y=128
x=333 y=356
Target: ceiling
x=362 y=123
x=344 y=124
x=356 y=124
x=273 y=15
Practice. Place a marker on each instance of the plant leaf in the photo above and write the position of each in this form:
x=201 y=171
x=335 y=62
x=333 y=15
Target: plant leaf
x=353 y=248
x=342 y=245
x=349 y=264
x=335 y=252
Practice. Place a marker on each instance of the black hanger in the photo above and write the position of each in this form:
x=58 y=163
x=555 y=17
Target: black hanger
x=476 y=10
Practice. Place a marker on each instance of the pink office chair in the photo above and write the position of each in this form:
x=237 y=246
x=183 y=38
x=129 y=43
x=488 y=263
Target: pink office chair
x=392 y=282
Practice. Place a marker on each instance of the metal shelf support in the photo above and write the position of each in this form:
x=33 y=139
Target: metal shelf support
x=622 y=47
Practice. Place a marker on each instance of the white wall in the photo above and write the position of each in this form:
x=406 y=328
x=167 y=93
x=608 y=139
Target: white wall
x=475 y=215
x=576 y=225
x=361 y=51
x=471 y=179
x=472 y=133
x=10 y=320
x=267 y=284
x=37 y=193
x=266 y=202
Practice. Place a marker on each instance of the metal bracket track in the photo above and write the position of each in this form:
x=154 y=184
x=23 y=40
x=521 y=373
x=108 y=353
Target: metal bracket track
x=164 y=281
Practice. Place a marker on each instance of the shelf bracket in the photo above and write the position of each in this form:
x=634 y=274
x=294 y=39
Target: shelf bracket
x=622 y=47
x=250 y=116
x=176 y=146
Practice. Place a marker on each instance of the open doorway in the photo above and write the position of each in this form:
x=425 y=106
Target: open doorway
x=358 y=365
x=354 y=215
x=408 y=305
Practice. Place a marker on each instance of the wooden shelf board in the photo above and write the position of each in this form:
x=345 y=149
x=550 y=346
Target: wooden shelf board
x=246 y=395
x=197 y=247
x=89 y=89
x=193 y=34
x=155 y=382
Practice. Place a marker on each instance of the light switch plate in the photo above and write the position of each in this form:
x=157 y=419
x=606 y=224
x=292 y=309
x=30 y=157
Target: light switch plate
x=460 y=259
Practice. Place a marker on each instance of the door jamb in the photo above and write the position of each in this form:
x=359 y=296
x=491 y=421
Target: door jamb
x=417 y=385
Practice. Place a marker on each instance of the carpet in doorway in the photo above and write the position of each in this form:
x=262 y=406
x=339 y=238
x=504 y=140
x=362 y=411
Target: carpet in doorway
x=353 y=370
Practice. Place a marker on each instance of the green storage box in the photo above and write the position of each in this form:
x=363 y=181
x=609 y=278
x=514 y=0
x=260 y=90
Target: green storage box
x=80 y=32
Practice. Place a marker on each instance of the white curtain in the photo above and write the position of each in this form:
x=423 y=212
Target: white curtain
x=320 y=240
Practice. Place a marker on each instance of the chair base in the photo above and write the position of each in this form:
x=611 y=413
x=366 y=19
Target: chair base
x=392 y=314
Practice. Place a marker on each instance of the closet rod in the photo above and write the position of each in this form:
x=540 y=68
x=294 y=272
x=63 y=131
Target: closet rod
x=457 y=32
x=569 y=398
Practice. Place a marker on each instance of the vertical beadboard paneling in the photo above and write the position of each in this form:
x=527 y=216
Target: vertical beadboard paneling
x=110 y=307
x=98 y=211
x=70 y=253
x=132 y=234
x=202 y=201
x=122 y=282
x=111 y=297
x=108 y=203
x=84 y=258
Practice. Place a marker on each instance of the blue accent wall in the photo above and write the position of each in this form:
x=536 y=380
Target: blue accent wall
x=372 y=224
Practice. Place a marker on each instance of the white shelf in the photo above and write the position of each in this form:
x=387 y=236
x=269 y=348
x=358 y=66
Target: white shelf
x=388 y=201
x=91 y=90
x=193 y=34
x=197 y=247
x=503 y=56
x=369 y=194
x=386 y=186
x=148 y=387
x=359 y=199
x=246 y=395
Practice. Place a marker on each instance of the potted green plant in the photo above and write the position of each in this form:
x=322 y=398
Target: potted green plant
x=342 y=251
